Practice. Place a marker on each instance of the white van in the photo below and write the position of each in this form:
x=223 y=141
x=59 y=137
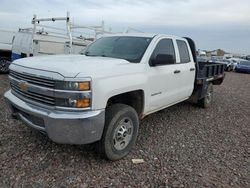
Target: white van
x=6 y=38
x=27 y=44
x=50 y=40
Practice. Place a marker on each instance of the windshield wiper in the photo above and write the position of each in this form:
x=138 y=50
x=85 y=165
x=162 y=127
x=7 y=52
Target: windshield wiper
x=87 y=54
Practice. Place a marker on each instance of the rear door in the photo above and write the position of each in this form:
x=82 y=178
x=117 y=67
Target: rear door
x=186 y=66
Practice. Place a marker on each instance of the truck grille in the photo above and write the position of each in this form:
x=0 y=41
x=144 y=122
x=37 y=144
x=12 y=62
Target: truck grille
x=44 y=82
x=30 y=95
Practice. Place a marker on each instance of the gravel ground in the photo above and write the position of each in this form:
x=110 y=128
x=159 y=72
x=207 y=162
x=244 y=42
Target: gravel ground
x=182 y=146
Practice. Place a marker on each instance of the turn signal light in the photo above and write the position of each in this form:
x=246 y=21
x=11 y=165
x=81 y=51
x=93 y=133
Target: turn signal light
x=83 y=103
x=84 y=86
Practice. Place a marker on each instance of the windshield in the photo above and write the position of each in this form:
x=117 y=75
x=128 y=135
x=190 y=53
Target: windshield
x=246 y=63
x=129 y=48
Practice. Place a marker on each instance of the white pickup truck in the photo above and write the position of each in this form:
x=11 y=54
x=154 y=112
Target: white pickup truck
x=102 y=95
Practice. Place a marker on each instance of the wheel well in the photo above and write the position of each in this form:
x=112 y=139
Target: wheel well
x=134 y=99
x=5 y=53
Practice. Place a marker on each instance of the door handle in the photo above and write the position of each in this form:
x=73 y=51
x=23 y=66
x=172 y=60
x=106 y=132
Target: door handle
x=192 y=69
x=177 y=71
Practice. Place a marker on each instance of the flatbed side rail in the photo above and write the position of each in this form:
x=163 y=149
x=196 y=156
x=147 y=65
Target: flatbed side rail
x=210 y=70
x=207 y=73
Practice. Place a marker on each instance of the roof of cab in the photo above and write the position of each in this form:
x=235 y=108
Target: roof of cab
x=133 y=34
x=149 y=35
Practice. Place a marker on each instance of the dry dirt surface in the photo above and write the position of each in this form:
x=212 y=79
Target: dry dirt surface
x=182 y=146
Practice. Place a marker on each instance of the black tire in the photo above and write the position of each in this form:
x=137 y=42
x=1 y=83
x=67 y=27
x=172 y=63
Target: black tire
x=231 y=68
x=207 y=100
x=108 y=145
x=4 y=65
x=228 y=68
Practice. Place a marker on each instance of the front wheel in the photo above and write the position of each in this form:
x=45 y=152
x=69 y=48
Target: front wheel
x=120 y=131
x=4 y=65
x=207 y=100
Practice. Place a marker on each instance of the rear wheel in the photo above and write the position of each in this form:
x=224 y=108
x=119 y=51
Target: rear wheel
x=4 y=64
x=120 y=132
x=207 y=100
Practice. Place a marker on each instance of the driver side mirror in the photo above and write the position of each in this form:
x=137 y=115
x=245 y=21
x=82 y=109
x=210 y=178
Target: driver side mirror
x=162 y=59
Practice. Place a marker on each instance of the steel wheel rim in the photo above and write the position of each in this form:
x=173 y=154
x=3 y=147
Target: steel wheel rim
x=123 y=133
x=3 y=65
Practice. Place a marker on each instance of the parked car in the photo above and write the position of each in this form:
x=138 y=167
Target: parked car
x=102 y=96
x=203 y=59
x=229 y=64
x=235 y=62
x=243 y=67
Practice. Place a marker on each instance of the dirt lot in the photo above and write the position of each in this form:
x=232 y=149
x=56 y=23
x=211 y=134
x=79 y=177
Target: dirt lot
x=183 y=146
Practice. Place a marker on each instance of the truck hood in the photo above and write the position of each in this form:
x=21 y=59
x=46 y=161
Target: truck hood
x=78 y=65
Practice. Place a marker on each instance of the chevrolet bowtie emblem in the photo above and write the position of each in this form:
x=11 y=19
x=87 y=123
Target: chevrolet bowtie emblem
x=23 y=86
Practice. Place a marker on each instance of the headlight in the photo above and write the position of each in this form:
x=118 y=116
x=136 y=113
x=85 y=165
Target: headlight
x=76 y=86
x=73 y=98
x=73 y=103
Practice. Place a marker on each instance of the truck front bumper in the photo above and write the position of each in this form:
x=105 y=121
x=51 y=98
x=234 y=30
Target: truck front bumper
x=78 y=127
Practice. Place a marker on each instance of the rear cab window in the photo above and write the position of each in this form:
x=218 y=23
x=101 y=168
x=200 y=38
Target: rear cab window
x=183 y=51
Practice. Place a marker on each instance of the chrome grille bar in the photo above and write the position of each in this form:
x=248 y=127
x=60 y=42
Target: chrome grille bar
x=33 y=79
x=16 y=77
x=33 y=97
x=32 y=93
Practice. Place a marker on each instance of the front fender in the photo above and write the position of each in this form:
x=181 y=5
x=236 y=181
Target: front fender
x=105 y=88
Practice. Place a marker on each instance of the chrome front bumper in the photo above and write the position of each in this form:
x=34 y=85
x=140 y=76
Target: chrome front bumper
x=79 y=127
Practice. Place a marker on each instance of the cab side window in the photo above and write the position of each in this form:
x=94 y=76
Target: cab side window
x=165 y=48
x=183 y=50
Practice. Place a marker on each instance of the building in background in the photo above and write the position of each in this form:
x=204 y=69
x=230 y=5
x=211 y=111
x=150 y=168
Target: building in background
x=218 y=52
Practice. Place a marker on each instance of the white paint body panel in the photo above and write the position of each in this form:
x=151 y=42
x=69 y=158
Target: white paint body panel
x=41 y=44
x=110 y=76
x=6 y=38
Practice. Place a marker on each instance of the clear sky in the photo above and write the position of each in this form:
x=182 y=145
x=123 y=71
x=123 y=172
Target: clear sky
x=212 y=24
